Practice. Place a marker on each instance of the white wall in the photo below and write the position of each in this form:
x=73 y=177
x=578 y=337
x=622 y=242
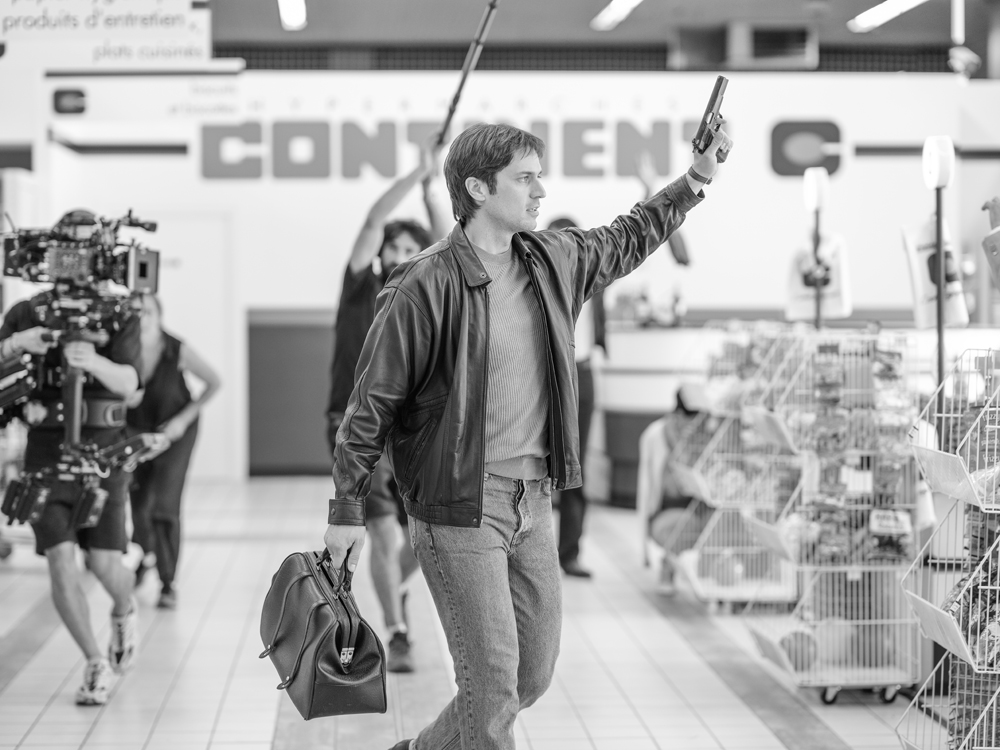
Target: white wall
x=231 y=245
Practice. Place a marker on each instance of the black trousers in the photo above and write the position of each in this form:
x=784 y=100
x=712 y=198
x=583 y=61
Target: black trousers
x=157 y=487
x=572 y=503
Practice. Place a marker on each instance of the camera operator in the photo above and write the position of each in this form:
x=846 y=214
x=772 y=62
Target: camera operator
x=111 y=375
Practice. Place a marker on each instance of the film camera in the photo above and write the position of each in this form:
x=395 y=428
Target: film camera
x=96 y=280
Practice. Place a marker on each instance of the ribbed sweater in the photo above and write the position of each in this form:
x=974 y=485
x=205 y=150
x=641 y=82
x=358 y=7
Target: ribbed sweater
x=517 y=392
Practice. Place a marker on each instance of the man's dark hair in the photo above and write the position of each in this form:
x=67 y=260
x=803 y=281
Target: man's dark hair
x=481 y=151
x=406 y=226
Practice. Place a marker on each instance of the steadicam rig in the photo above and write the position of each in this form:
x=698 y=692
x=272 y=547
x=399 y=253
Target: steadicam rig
x=97 y=279
x=82 y=250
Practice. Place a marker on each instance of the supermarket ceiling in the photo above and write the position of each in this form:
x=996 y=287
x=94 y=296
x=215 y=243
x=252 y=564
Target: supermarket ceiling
x=567 y=22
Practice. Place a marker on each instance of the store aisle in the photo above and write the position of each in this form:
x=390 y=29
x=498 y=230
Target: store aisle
x=638 y=671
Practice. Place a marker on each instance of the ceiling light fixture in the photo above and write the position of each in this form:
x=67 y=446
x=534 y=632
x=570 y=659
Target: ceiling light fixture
x=613 y=14
x=880 y=14
x=293 y=14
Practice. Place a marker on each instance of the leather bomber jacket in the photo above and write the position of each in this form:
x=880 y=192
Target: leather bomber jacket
x=420 y=386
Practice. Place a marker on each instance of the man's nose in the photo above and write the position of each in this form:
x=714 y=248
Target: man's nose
x=539 y=191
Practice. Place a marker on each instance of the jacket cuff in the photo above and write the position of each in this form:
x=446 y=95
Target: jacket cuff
x=681 y=195
x=345 y=512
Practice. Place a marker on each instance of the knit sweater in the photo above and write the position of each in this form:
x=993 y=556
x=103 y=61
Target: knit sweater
x=517 y=393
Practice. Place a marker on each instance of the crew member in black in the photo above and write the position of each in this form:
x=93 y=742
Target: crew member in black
x=394 y=242
x=111 y=376
x=165 y=407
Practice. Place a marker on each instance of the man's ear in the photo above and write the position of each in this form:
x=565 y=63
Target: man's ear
x=477 y=189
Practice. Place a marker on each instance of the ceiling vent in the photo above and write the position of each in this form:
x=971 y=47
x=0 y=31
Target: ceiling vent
x=760 y=46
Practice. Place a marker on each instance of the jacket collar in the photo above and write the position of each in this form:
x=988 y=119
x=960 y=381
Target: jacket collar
x=472 y=268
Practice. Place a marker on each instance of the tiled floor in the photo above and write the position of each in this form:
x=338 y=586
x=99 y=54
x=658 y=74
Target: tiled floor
x=638 y=671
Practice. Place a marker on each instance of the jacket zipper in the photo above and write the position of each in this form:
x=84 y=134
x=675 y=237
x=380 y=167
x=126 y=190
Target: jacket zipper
x=555 y=413
x=482 y=421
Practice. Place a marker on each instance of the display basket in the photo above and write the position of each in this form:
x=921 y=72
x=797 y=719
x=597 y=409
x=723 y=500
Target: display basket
x=955 y=709
x=954 y=586
x=851 y=628
x=715 y=549
x=956 y=438
x=867 y=521
x=749 y=355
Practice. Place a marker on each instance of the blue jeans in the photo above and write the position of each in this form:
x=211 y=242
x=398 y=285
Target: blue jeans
x=498 y=593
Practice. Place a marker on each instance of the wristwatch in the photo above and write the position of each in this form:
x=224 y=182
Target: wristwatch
x=700 y=178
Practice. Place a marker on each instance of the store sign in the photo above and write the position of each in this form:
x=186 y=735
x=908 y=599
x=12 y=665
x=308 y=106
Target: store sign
x=797 y=146
x=110 y=33
x=304 y=149
x=69 y=102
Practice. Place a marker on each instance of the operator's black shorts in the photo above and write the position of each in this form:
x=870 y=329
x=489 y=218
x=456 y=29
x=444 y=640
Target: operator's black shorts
x=56 y=524
x=383 y=496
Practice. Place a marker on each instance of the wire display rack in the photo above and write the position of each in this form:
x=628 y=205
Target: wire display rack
x=954 y=584
x=748 y=355
x=842 y=405
x=955 y=709
x=737 y=477
x=956 y=438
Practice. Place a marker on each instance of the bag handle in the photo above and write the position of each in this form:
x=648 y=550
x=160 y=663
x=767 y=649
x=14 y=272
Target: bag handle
x=281 y=614
x=342 y=589
x=302 y=646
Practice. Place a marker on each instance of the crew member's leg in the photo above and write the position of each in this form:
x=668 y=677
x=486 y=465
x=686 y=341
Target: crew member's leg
x=408 y=564
x=503 y=646
x=386 y=539
x=572 y=503
x=169 y=475
x=141 y=498
x=69 y=597
x=56 y=539
x=106 y=542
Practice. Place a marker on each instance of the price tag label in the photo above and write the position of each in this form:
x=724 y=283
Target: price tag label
x=890 y=522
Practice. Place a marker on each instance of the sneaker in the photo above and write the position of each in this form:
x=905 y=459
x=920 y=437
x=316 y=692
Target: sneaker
x=96 y=682
x=146 y=563
x=168 y=598
x=399 y=659
x=124 y=639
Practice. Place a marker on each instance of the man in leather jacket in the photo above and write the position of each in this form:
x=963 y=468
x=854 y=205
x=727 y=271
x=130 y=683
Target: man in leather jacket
x=467 y=382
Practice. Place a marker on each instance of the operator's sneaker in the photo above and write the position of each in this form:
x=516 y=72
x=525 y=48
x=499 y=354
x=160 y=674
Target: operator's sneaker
x=399 y=659
x=168 y=598
x=124 y=642
x=96 y=682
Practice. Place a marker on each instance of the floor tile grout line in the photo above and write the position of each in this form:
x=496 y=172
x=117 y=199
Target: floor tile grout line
x=153 y=627
x=576 y=711
x=651 y=597
x=90 y=583
x=224 y=574
x=261 y=579
x=659 y=668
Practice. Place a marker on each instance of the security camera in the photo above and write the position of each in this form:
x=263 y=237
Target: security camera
x=963 y=60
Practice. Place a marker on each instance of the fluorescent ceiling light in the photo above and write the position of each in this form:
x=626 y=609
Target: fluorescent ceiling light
x=613 y=14
x=293 y=14
x=875 y=17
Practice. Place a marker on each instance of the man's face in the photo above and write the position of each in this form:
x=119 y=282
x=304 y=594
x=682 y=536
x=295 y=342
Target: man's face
x=519 y=192
x=401 y=248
